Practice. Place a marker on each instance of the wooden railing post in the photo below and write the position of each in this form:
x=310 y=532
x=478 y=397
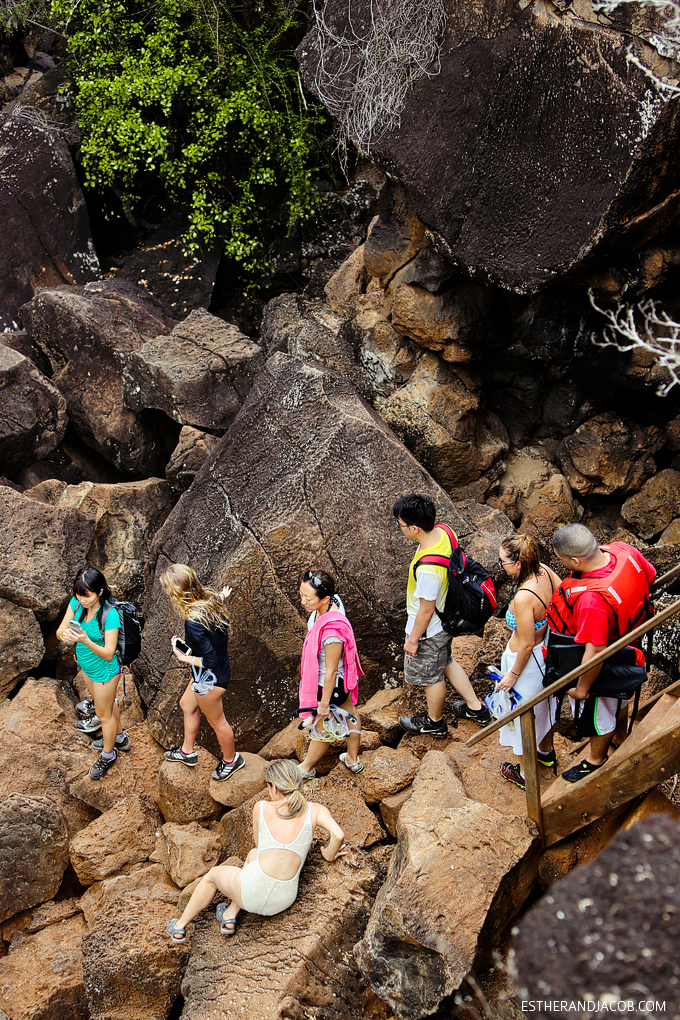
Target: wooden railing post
x=533 y=789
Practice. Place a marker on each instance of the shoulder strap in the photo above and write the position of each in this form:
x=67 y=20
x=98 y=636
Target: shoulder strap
x=537 y=596
x=438 y=559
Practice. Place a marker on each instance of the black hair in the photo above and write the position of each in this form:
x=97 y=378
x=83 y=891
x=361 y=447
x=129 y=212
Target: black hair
x=322 y=583
x=89 y=579
x=418 y=511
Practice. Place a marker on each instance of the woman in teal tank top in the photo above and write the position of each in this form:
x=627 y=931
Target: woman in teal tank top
x=81 y=627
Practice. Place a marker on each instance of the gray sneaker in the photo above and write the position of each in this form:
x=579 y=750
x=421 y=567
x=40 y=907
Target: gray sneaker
x=101 y=767
x=123 y=745
x=227 y=768
x=85 y=708
x=177 y=754
x=90 y=725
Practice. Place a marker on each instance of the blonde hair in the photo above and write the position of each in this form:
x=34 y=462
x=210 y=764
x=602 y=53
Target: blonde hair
x=523 y=549
x=285 y=776
x=192 y=601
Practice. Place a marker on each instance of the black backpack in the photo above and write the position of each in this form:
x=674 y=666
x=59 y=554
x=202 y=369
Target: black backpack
x=471 y=598
x=130 y=632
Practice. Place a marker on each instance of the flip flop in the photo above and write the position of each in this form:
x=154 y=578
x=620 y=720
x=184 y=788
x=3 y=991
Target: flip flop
x=178 y=935
x=227 y=924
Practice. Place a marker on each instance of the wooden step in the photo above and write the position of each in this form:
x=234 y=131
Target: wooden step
x=650 y=755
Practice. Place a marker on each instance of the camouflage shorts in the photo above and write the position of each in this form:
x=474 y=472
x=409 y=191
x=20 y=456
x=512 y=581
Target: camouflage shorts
x=428 y=666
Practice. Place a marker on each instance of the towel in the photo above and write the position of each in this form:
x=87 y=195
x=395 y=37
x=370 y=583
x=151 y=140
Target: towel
x=331 y=624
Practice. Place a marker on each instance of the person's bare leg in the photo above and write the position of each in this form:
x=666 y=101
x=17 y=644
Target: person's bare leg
x=107 y=711
x=227 y=879
x=459 y=680
x=315 y=752
x=192 y=719
x=547 y=742
x=621 y=731
x=436 y=696
x=211 y=706
x=597 y=752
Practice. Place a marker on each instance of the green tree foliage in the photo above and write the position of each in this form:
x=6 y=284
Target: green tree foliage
x=195 y=104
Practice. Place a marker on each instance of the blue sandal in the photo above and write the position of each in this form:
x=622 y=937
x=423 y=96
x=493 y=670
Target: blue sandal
x=227 y=924
x=177 y=935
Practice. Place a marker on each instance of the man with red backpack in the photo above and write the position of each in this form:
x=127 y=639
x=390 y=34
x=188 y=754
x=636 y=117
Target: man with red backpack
x=427 y=649
x=605 y=596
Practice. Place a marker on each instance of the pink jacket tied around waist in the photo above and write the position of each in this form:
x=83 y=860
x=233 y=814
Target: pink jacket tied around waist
x=331 y=624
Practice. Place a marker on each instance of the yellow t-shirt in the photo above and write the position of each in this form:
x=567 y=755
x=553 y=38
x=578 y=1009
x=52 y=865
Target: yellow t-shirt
x=431 y=583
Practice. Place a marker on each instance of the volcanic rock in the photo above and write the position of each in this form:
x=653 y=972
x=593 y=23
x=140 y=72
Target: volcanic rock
x=242 y=785
x=33 y=852
x=134 y=773
x=182 y=794
x=385 y=772
x=259 y=514
x=123 y=835
x=190 y=851
x=381 y=714
x=45 y=224
x=340 y=794
x=368 y=741
x=88 y=334
x=22 y=645
x=33 y=415
x=42 y=976
x=28 y=922
x=651 y=509
x=391 y=806
x=609 y=455
x=199 y=375
x=188 y=457
x=283 y=744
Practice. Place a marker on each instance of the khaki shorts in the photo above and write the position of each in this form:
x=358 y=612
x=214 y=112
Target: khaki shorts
x=428 y=666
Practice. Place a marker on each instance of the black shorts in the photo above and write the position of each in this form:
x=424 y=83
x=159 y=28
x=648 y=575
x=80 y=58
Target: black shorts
x=338 y=697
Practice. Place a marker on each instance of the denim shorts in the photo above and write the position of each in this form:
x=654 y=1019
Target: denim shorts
x=428 y=666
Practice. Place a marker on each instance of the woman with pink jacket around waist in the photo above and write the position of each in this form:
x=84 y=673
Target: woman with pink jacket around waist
x=330 y=667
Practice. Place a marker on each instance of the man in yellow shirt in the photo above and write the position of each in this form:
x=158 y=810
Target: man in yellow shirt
x=427 y=649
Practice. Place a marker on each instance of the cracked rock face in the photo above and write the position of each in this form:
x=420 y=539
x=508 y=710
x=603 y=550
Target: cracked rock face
x=532 y=144
x=33 y=415
x=315 y=489
x=45 y=226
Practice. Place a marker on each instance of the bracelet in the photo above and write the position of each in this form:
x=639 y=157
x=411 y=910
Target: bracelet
x=512 y=673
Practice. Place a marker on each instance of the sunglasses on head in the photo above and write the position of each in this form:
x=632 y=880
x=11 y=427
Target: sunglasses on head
x=316 y=581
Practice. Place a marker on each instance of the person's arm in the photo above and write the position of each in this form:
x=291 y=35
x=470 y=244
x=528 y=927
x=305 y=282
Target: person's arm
x=420 y=625
x=594 y=620
x=198 y=640
x=333 y=653
x=336 y=847
x=586 y=681
x=108 y=650
x=63 y=626
x=526 y=634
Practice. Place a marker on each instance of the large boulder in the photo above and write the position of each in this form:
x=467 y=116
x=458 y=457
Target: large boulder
x=127 y=516
x=550 y=101
x=297 y=963
x=41 y=751
x=190 y=851
x=315 y=489
x=199 y=375
x=653 y=508
x=122 y=836
x=41 y=550
x=33 y=415
x=22 y=645
x=46 y=231
x=88 y=334
x=42 y=977
x=608 y=455
x=126 y=917
x=183 y=794
x=33 y=852
x=188 y=457
x=458 y=875
x=134 y=774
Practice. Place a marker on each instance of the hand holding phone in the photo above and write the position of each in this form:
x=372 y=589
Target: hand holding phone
x=181 y=646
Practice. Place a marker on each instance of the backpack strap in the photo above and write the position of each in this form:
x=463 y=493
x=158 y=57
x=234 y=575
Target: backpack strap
x=439 y=560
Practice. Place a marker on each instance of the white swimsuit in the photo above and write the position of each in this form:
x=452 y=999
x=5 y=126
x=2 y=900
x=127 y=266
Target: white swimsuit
x=262 y=894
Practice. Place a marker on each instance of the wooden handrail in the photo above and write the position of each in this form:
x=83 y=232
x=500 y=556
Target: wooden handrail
x=664 y=579
x=602 y=656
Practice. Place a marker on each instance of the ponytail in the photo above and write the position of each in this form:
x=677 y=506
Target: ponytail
x=285 y=776
x=523 y=549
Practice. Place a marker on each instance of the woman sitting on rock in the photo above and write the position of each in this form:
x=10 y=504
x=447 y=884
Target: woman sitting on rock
x=329 y=668
x=85 y=621
x=206 y=630
x=268 y=882
x=522 y=664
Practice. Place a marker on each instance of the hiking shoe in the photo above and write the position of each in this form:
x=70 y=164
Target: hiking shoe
x=547 y=758
x=482 y=716
x=85 y=708
x=423 y=724
x=89 y=725
x=102 y=766
x=123 y=745
x=513 y=775
x=177 y=754
x=227 y=768
x=580 y=771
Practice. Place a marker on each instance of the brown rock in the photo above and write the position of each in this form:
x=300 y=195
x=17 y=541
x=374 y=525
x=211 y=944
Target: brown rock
x=381 y=714
x=283 y=744
x=88 y=334
x=245 y=783
x=306 y=951
x=182 y=794
x=22 y=645
x=42 y=977
x=188 y=457
x=41 y=751
x=671 y=534
x=466 y=650
x=38 y=572
x=127 y=516
x=340 y=794
x=386 y=772
x=368 y=741
x=133 y=773
x=453 y=320
x=391 y=806
x=123 y=835
x=126 y=917
x=460 y=867
x=190 y=851
x=395 y=236
x=33 y=415
x=321 y=436
x=199 y=375
x=235 y=829
x=347 y=282
x=653 y=508
x=608 y=454
x=418 y=744
x=538 y=493
x=33 y=852
x=129 y=704
x=28 y=922
x=494 y=639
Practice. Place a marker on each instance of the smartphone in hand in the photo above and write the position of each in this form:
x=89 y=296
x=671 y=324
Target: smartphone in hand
x=75 y=626
x=181 y=647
